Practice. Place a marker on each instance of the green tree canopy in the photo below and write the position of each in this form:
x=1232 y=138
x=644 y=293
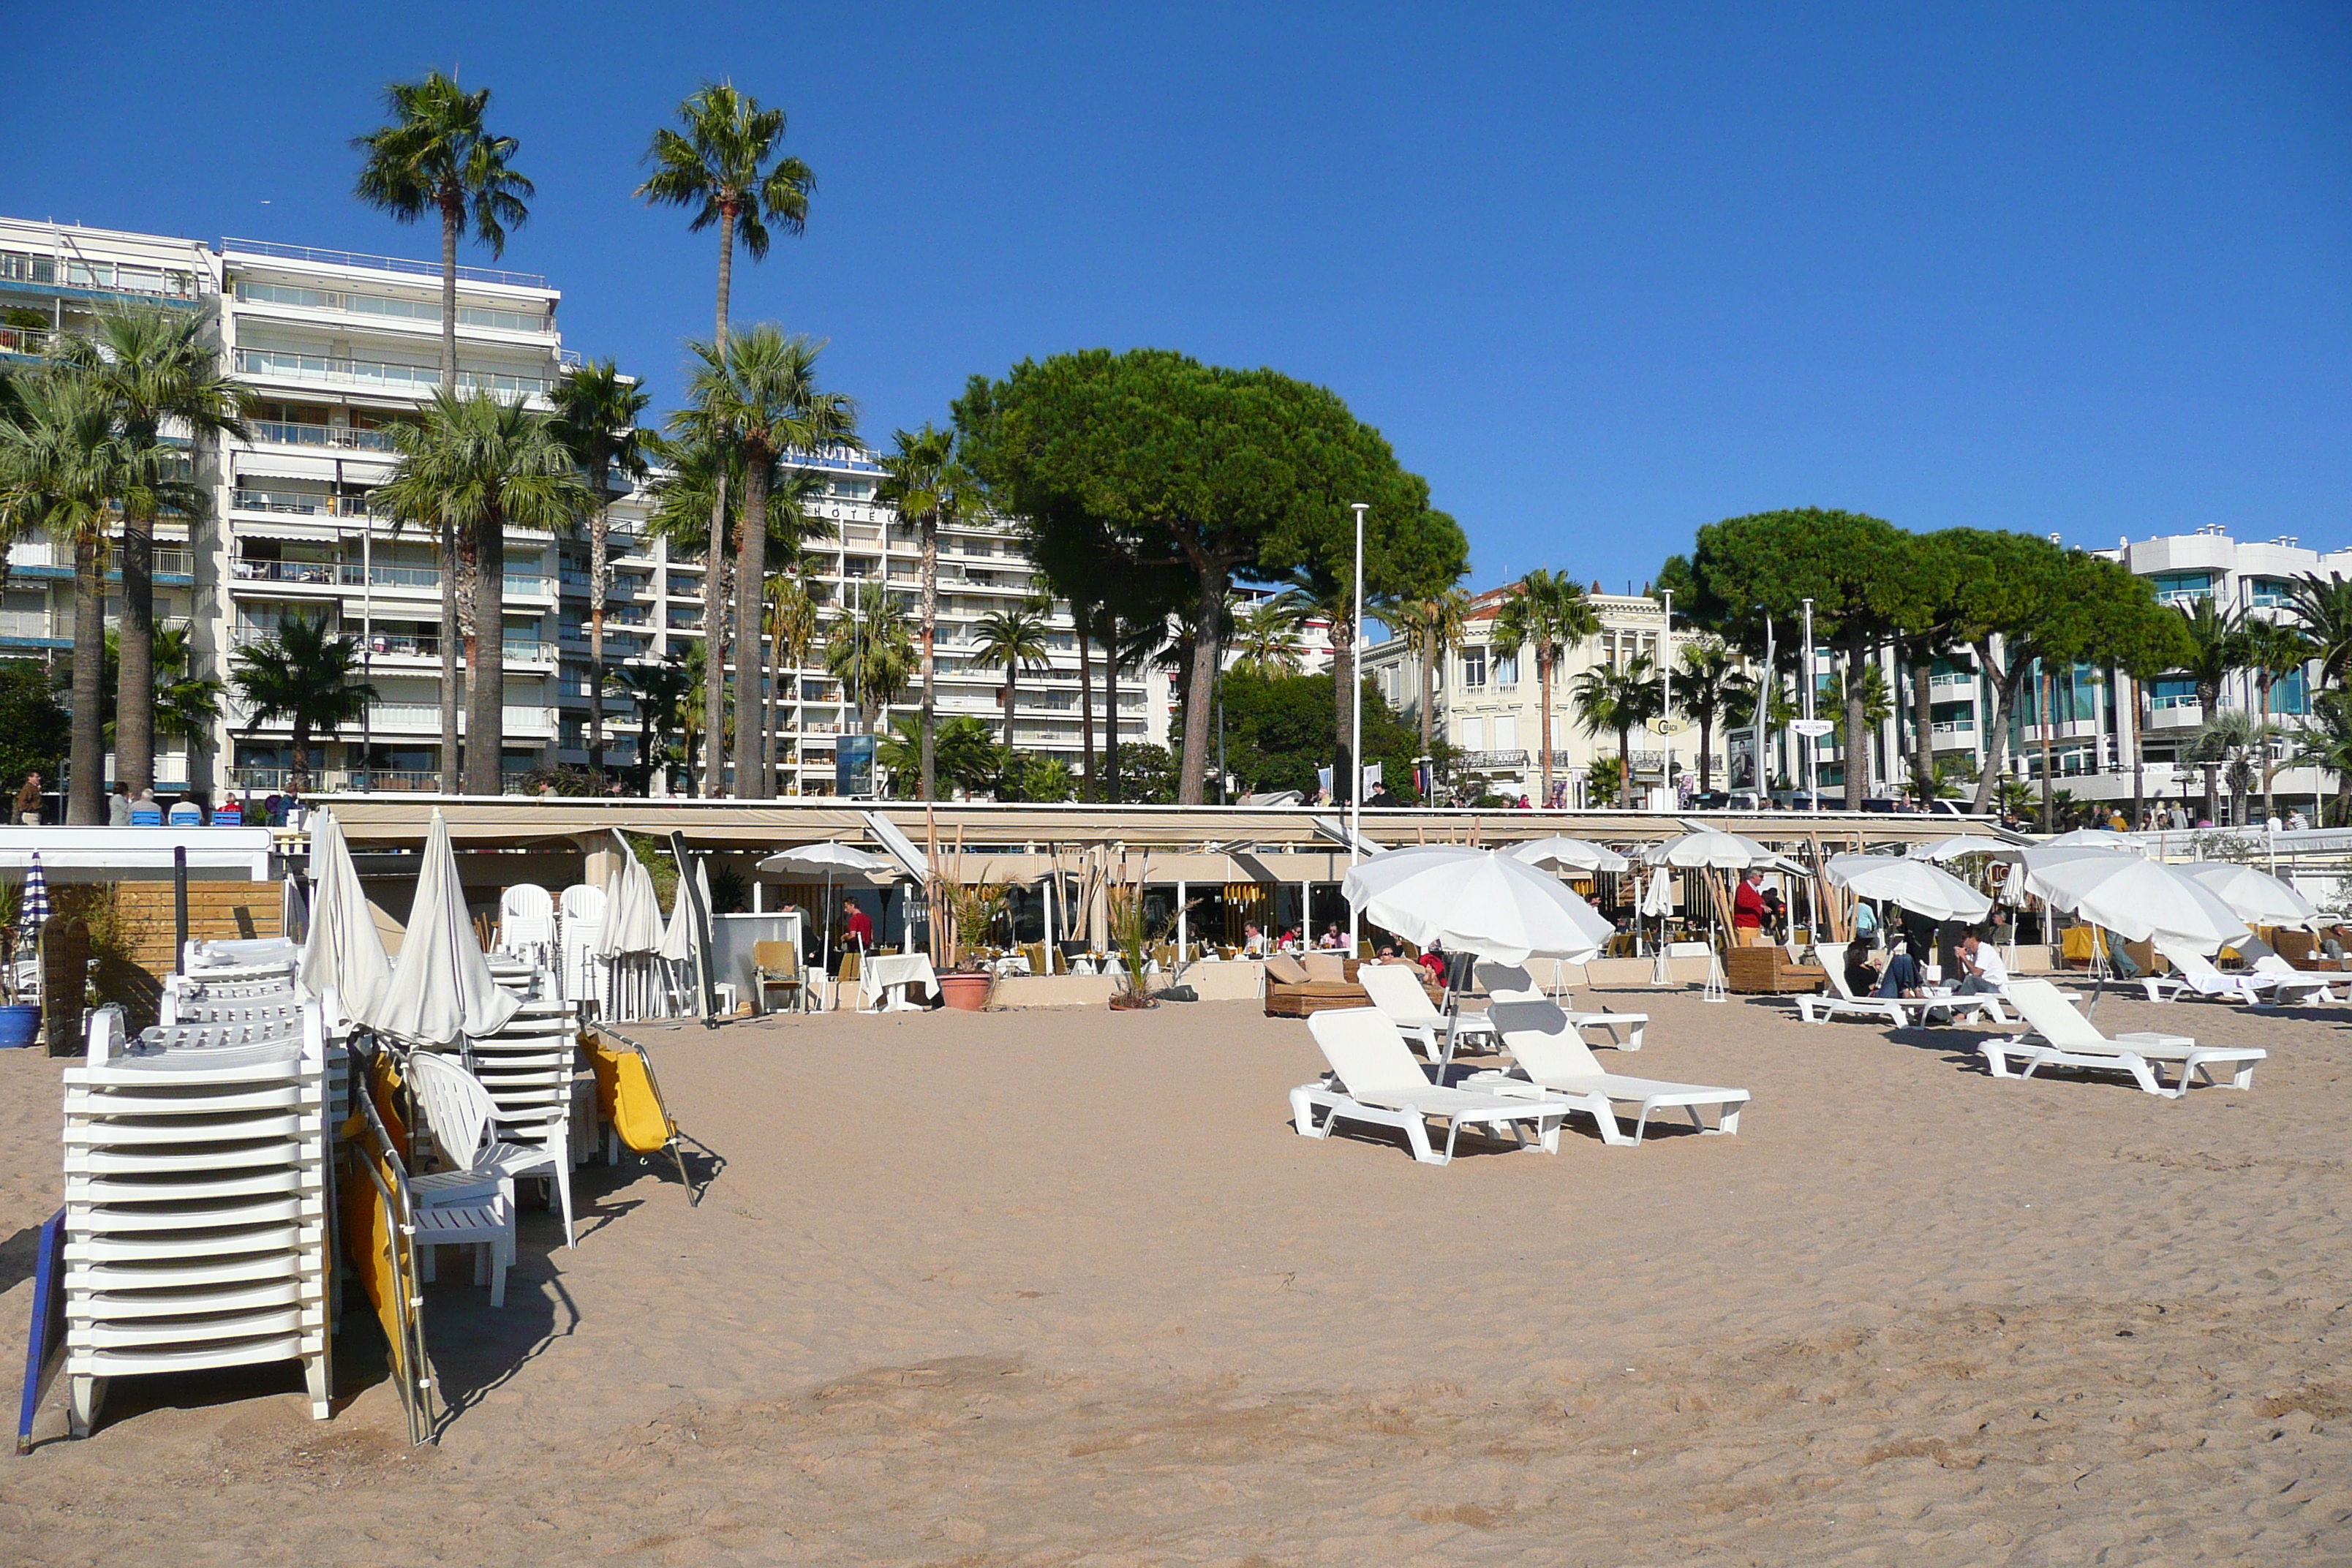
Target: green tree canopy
x=1278 y=734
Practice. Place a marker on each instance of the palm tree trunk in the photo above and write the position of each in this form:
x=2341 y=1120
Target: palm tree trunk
x=134 y=702
x=453 y=217
x=2262 y=740
x=486 y=686
x=714 y=635
x=1428 y=686
x=1706 y=749
x=1347 y=774
x=86 y=800
x=1543 y=722
x=930 y=568
x=598 y=561
x=1011 y=697
x=1923 y=725
x=769 y=700
x=1213 y=584
x=751 y=572
x=299 y=775
x=1081 y=619
x=1110 y=708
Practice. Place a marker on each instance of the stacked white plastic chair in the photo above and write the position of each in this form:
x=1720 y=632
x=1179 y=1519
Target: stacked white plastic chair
x=531 y=1069
x=527 y=922
x=197 y=1202
x=582 y=927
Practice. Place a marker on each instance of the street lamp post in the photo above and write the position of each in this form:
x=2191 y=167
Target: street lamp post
x=1356 y=721
x=1813 y=743
x=1666 y=691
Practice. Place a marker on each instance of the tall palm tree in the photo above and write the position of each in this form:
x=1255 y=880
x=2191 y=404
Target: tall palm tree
x=723 y=165
x=792 y=627
x=2274 y=649
x=1550 y=613
x=1704 y=694
x=2217 y=638
x=65 y=464
x=1617 y=699
x=150 y=366
x=924 y=480
x=759 y=392
x=437 y=156
x=596 y=410
x=1014 y=639
x=304 y=675
x=2323 y=607
x=481 y=464
x=871 y=651
x=2324 y=741
x=1438 y=621
x=1266 y=639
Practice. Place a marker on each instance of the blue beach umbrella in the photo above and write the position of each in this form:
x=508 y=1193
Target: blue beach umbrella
x=35 y=907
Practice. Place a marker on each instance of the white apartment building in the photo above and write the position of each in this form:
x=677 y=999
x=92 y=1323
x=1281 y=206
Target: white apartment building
x=335 y=347
x=1489 y=701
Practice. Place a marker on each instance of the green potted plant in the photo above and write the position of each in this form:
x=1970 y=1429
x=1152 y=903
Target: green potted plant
x=1130 y=932
x=971 y=915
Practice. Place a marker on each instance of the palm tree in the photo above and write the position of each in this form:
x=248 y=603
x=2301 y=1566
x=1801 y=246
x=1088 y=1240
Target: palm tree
x=1704 y=693
x=2228 y=741
x=1550 y=613
x=301 y=675
x=149 y=365
x=1617 y=699
x=2324 y=741
x=185 y=705
x=870 y=650
x=793 y=626
x=923 y=480
x=479 y=464
x=1266 y=639
x=1014 y=639
x=2217 y=641
x=758 y=392
x=661 y=690
x=1437 y=621
x=2324 y=607
x=64 y=466
x=596 y=410
x=725 y=169
x=437 y=156
x=2274 y=649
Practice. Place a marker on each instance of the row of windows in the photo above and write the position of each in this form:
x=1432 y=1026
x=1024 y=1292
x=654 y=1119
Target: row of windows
x=387 y=305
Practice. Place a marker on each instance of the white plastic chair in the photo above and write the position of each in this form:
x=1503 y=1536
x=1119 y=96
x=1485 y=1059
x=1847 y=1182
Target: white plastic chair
x=1513 y=983
x=464 y=1121
x=526 y=920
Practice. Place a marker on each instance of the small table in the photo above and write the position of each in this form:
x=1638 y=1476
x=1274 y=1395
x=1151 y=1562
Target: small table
x=882 y=982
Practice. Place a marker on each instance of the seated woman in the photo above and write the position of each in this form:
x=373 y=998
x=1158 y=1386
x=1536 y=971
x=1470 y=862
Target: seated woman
x=1903 y=976
x=1860 y=975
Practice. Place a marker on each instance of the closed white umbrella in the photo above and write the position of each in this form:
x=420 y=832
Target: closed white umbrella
x=1569 y=854
x=633 y=918
x=1659 y=899
x=2133 y=898
x=345 y=952
x=1922 y=889
x=1475 y=901
x=441 y=988
x=1966 y=844
x=2255 y=896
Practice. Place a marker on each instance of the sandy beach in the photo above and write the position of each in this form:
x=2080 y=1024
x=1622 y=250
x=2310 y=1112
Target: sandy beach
x=1055 y=1288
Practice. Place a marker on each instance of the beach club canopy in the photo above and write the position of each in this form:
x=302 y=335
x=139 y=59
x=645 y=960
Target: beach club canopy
x=1966 y=844
x=441 y=988
x=1475 y=901
x=1922 y=889
x=344 y=953
x=1713 y=849
x=633 y=920
x=1569 y=854
x=2133 y=898
x=2255 y=896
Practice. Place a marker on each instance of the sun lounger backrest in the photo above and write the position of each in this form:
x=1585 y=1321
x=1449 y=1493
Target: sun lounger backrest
x=457 y=1107
x=2051 y=1015
x=1833 y=956
x=1365 y=1050
x=2264 y=957
x=1504 y=980
x=1538 y=1036
x=2188 y=960
x=1395 y=991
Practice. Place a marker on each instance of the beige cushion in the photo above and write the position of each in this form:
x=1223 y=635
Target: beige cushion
x=1331 y=967
x=1285 y=969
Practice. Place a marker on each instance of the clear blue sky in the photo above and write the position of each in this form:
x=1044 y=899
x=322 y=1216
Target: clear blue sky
x=1602 y=275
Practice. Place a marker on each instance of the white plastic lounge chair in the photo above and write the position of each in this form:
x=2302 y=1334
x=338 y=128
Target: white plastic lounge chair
x=2060 y=1037
x=1840 y=1000
x=2296 y=985
x=1375 y=1079
x=1512 y=983
x=2194 y=972
x=1543 y=1041
x=1396 y=991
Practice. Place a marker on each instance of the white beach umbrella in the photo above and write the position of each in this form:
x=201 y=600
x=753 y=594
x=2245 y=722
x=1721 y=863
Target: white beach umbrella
x=2133 y=898
x=345 y=952
x=835 y=862
x=441 y=988
x=1966 y=844
x=1713 y=847
x=1658 y=900
x=1475 y=901
x=1918 y=887
x=1569 y=854
x=2105 y=838
x=2255 y=896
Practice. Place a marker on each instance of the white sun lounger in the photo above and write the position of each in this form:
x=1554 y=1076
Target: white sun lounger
x=2298 y=985
x=2060 y=1036
x=2195 y=974
x=1512 y=983
x=1898 y=1011
x=1397 y=992
x=1552 y=1057
x=1375 y=1079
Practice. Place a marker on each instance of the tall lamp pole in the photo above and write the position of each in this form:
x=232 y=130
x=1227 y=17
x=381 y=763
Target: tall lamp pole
x=1356 y=721
x=1813 y=744
x=1666 y=690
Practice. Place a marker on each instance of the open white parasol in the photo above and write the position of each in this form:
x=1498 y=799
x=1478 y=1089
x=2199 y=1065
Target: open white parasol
x=1475 y=901
x=1918 y=887
x=2255 y=896
x=1568 y=854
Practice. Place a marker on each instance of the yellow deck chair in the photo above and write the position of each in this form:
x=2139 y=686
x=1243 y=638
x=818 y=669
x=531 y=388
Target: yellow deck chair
x=630 y=1101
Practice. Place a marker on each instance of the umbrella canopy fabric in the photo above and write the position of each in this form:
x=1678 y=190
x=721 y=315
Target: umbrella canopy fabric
x=2133 y=898
x=1712 y=848
x=33 y=911
x=2255 y=896
x=1918 y=887
x=828 y=859
x=441 y=988
x=1569 y=854
x=682 y=940
x=2105 y=838
x=1966 y=844
x=344 y=953
x=633 y=920
x=1658 y=898
x=1475 y=901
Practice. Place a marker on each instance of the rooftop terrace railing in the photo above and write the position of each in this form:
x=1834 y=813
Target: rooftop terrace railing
x=379 y=263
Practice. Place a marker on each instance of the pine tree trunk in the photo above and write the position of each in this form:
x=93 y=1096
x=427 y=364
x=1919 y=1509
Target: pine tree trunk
x=1923 y=726
x=1110 y=708
x=1212 y=581
x=86 y=797
x=1543 y=721
x=1857 y=727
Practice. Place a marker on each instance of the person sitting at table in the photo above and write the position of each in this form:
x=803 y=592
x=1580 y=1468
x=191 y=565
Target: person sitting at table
x=1332 y=937
x=1252 y=940
x=1433 y=959
x=856 y=929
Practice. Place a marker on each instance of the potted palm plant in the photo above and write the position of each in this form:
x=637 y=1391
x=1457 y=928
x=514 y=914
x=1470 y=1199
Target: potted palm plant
x=971 y=917
x=1130 y=932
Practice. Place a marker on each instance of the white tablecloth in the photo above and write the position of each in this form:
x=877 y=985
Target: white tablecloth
x=893 y=975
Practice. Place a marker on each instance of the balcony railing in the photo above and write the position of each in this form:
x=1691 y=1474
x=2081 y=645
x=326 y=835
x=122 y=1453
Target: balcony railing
x=424 y=312
x=420 y=378
x=36 y=626
x=297 y=503
x=164 y=562
x=390 y=576
x=318 y=573
x=30 y=342
x=380 y=263
x=339 y=436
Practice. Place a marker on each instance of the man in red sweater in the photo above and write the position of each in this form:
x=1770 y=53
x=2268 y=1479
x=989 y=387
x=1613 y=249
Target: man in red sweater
x=1748 y=911
x=856 y=929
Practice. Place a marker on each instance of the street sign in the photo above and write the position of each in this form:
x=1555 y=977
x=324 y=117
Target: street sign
x=1812 y=728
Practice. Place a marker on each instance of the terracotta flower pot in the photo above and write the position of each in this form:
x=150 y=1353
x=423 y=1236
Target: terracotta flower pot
x=1120 y=1002
x=969 y=991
